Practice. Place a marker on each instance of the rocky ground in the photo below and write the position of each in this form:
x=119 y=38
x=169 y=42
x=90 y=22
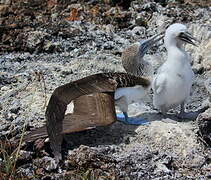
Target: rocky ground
x=45 y=44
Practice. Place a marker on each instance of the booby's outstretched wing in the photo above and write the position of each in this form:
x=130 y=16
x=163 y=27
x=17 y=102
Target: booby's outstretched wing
x=101 y=87
x=90 y=111
x=63 y=95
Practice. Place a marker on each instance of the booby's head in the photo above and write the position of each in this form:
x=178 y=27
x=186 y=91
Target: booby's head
x=176 y=35
x=145 y=45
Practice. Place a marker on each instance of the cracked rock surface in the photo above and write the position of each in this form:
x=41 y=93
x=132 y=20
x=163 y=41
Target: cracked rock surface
x=45 y=44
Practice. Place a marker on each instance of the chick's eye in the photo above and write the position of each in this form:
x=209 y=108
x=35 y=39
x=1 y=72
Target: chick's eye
x=182 y=34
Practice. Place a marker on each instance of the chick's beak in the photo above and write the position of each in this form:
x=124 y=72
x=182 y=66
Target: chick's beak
x=188 y=38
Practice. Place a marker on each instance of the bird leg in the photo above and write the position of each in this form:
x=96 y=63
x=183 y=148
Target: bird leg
x=166 y=118
x=187 y=115
x=123 y=105
x=131 y=120
x=163 y=111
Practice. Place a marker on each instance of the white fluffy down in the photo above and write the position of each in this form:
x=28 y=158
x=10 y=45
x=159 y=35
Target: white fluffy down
x=172 y=83
x=131 y=95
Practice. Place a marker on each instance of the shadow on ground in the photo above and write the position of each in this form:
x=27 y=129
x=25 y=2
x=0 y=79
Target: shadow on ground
x=114 y=134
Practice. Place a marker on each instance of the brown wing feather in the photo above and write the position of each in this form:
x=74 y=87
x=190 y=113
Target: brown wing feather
x=103 y=82
x=89 y=111
x=63 y=95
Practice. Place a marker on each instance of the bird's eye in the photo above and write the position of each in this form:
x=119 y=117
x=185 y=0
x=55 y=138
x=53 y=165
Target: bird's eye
x=181 y=34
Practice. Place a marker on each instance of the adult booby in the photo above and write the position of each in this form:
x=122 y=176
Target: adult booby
x=94 y=105
x=133 y=57
x=172 y=84
x=134 y=63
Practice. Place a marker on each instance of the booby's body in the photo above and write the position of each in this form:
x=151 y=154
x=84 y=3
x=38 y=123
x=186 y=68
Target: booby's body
x=172 y=84
x=95 y=110
x=134 y=63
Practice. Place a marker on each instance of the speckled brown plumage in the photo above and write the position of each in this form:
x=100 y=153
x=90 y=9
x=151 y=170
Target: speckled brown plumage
x=93 y=106
x=98 y=83
x=133 y=63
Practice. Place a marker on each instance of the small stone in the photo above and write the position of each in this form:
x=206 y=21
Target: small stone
x=4 y=127
x=198 y=161
x=54 y=16
x=3 y=9
x=10 y=117
x=26 y=170
x=141 y=21
x=1 y=106
x=15 y=109
x=35 y=40
x=162 y=167
x=208 y=87
x=47 y=163
x=66 y=73
x=25 y=155
x=108 y=45
x=138 y=30
x=51 y=47
x=8 y=2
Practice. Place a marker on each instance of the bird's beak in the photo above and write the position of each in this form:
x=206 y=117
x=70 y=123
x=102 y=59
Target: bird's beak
x=150 y=42
x=188 y=38
x=147 y=44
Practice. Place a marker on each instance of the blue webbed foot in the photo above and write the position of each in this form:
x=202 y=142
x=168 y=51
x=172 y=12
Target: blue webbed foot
x=132 y=120
x=120 y=117
x=188 y=115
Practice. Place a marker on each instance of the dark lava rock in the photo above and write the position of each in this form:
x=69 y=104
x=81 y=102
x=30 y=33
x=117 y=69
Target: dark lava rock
x=208 y=87
x=15 y=109
x=204 y=123
x=1 y=106
x=86 y=157
x=5 y=79
x=24 y=157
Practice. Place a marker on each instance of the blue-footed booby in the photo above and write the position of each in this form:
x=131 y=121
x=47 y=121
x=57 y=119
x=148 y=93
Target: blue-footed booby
x=134 y=63
x=133 y=57
x=94 y=105
x=173 y=81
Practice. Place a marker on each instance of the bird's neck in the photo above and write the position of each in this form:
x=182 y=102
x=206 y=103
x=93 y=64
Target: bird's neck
x=172 y=43
x=175 y=49
x=177 y=54
x=173 y=46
